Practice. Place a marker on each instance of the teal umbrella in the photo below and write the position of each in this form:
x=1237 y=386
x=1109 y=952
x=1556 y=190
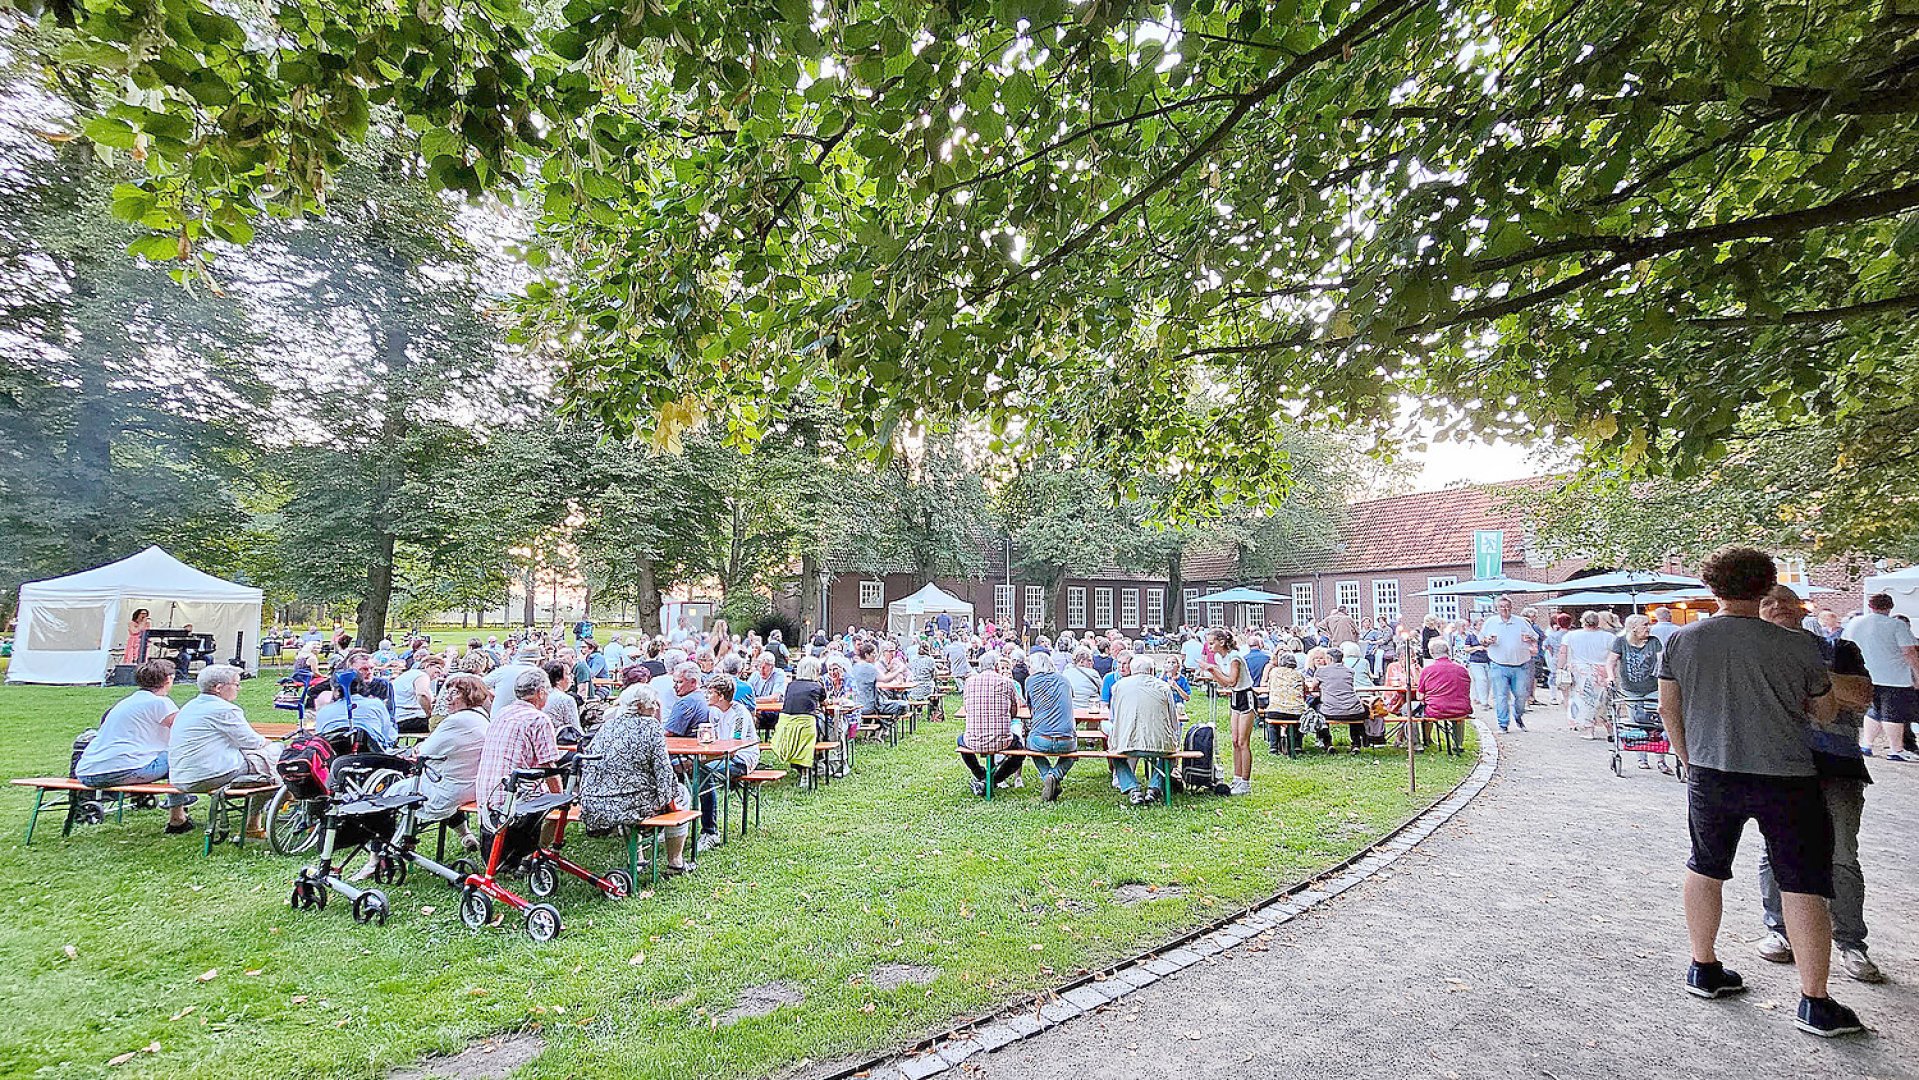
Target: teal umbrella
x=1492 y=586
x=1241 y=595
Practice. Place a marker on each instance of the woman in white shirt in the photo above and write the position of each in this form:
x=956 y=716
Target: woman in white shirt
x=413 y=695
x=131 y=745
x=450 y=757
x=1586 y=653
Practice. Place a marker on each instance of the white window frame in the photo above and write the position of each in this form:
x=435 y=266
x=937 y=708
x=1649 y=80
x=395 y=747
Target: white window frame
x=1215 y=614
x=1302 y=603
x=1346 y=595
x=872 y=594
x=1103 y=608
x=1386 y=599
x=1129 y=608
x=1251 y=615
x=1076 y=607
x=1036 y=605
x=1445 y=608
x=1155 y=608
x=1003 y=605
x=1188 y=610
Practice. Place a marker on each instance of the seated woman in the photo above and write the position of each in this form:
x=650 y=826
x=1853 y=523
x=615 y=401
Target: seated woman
x=802 y=716
x=1445 y=687
x=212 y=745
x=1285 y=698
x=413 y=695
x=131 y=745
x=628 y=777
x=450 y=757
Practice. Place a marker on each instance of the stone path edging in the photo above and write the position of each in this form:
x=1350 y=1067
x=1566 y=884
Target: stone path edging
x=1028 y=1017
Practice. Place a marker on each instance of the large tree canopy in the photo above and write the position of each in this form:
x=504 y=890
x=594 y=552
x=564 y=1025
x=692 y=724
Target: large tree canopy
x=1638 y=222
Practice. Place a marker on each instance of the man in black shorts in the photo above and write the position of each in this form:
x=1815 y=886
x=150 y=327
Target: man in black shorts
x=1738 y=695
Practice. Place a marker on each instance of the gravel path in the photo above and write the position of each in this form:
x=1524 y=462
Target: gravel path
x=1538 y=934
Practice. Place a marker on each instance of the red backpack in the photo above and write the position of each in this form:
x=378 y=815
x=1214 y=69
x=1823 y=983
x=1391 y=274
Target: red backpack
x=303 y=765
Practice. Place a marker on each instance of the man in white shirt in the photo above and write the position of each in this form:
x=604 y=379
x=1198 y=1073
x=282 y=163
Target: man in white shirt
x=1510 y=642
x=1892 y=659
x=212 y=745
x=501 y=679
x=1663 y=627
x=131 y=745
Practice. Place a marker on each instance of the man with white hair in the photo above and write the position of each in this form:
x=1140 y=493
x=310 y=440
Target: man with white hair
x=1663 y=627
x=502 y=679
x=212 y=745
x=521 y=736
x=685 y=708
x=1145 y=725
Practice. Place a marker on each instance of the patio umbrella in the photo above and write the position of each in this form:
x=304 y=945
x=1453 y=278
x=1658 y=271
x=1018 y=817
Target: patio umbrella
x=1491 y=586
x=1630 y=584
x=1240 y=595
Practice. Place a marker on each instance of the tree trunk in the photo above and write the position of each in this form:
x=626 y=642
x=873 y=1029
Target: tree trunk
x=532 y=598
x=1175 y=590
x=370 y=618
x=649 y=598
x=810 y=613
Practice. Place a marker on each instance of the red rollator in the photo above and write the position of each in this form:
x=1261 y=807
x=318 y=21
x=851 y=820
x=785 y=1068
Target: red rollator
x=516 y=842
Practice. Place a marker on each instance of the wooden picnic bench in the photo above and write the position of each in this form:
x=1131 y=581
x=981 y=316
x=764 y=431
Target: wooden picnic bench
x=219 y=804
x=1164 y=770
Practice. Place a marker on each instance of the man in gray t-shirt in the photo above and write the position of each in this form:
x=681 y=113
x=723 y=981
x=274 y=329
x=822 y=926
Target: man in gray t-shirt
x=1738 y=696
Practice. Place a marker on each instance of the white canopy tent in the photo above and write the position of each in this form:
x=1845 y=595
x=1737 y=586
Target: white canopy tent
x=906 y=617
x=73 y=628
x=1903 y=585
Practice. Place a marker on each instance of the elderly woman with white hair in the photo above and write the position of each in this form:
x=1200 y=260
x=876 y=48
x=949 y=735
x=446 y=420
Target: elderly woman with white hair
x=1083 y=679
x=212 y=745
x=1587 y=654
x=627 y=776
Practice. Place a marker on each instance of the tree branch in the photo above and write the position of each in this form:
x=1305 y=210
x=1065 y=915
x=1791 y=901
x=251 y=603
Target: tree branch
x=1814 y=315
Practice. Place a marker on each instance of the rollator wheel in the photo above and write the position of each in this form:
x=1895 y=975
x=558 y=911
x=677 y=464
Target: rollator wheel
x=542 y=879
x=371 y=906
x=466 y=868
x=476 y=908
x=93 y=813
x=1618 y=765
x=299 y=901
x=619 y=884
x=543 y=922
x=317 y=893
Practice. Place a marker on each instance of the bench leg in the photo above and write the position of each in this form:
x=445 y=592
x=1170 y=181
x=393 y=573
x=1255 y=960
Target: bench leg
x=632 y=854
x=992 y=769
x=39 y=799
x=1166 y=781
x=655 y=863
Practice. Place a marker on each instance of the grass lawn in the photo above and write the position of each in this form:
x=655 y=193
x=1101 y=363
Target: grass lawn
x=108 y=939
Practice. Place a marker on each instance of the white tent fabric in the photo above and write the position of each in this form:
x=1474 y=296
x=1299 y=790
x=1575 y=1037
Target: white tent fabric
x=71 y=629
x=905 y=617
x=1904 y=587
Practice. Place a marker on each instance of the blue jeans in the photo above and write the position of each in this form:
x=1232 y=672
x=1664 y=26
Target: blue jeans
x=153 y=772
x=1053 y=744
x=1511 y=686
x=1123 y=768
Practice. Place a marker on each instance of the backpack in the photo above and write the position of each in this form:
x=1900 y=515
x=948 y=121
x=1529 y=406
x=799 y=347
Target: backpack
x=79 y=748
x=304 y=764
x=1202 y=773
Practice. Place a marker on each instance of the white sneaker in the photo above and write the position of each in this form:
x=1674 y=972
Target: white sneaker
x=1240 y=787
x=1856 y=963
x=1776 y=949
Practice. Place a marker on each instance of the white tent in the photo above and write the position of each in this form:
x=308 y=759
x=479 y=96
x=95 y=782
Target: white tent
x=72 y=629
x=904 y=618
x=1904 y=587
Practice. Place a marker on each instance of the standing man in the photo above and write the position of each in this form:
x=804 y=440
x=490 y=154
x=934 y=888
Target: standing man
x=1510 y=645
x=1892 y=658
x=1842 y=780
x=1737 y=695
x=1340 y=627
x=1662 y=625
x=1229 y=673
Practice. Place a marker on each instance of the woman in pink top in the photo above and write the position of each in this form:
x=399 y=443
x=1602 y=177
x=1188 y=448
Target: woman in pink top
x=137 y=628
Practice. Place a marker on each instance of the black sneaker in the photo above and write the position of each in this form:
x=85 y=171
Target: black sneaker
x=1714 y=981
x=1520 y=721
x=186 y=826
x=1827 y=1018
x=979 y=787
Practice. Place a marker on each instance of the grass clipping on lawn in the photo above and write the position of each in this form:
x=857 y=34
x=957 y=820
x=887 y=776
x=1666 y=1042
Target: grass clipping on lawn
x=124 y=941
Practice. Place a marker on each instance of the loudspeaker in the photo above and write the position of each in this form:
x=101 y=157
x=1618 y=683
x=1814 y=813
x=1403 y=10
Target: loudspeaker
x=122 y=675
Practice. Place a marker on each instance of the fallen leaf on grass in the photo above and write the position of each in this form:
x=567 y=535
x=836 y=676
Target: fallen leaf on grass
x=121 y=1059
x=298 y=999
x=72 y=953
x=427 y=909
x=867 y=1008
x=638 y=959
x=254 y=973
x=208 y=975
x=183 y=1013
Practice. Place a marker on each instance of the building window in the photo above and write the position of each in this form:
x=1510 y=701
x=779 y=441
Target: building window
x=1446 y=607
x=1346 y=595
x=1003 y=605
x=1103 y=608
x=1386 y=598
x=1188 y=608
x=1129 y=608
x=1215 y=614
x=1303 y=603
x=1792 y=571
x=1076 y=607
x=1036 y=605
x=1251 y=615
x=1156 y=608
x=872 y=594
